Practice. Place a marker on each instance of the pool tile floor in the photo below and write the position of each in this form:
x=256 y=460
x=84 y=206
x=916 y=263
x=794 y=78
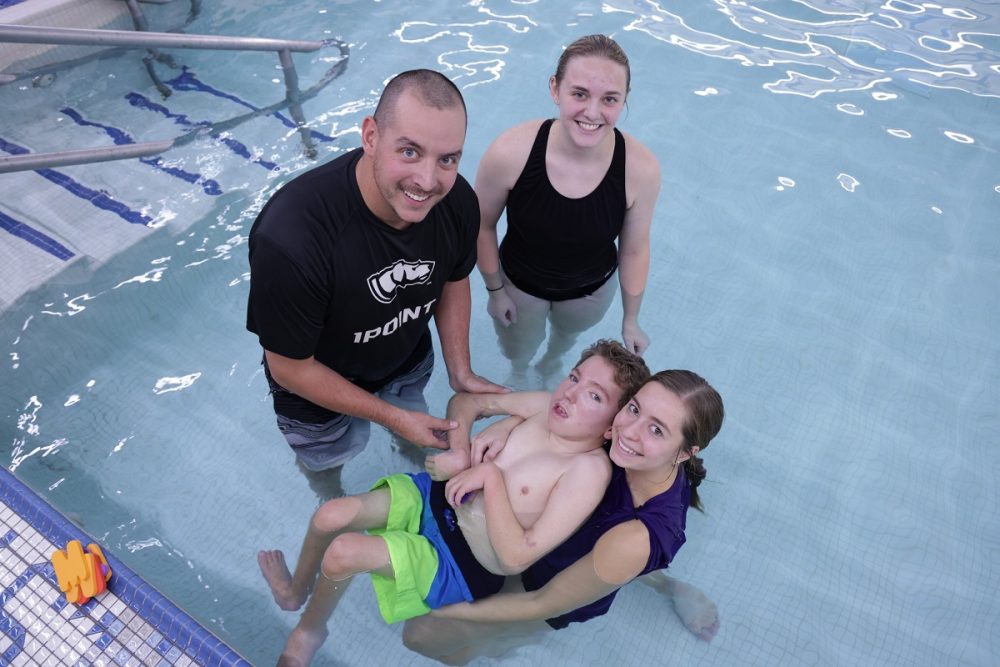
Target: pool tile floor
x=130 y=625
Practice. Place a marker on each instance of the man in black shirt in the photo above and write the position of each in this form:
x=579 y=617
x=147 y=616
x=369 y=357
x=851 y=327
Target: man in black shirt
x=350 y=260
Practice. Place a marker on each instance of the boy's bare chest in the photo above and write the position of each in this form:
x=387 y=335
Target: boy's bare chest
x=530 y=473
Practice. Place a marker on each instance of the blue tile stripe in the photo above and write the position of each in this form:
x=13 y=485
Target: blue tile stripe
x=172 y=624
x=99 y=199
x=35 y=237
x=187 y=81
x=121 y=137
x=142 y=102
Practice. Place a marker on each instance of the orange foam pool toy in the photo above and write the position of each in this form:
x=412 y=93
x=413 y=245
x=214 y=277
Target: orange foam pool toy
x=81 y=574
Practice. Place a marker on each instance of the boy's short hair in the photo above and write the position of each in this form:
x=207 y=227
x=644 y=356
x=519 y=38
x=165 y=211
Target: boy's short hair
x=630 y=371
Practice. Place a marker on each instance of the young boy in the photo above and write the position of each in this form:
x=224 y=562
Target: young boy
x=541 y=486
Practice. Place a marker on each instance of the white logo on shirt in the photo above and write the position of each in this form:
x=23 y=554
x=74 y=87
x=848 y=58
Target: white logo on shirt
x=400 y=274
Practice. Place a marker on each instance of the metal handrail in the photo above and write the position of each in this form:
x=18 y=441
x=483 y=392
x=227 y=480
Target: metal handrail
x=34 y=161
x=31 y=34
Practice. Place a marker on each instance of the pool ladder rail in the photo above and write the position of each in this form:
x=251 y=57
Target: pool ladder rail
x=30 y=34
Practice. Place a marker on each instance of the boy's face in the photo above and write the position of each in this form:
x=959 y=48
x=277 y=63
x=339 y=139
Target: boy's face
x=585 y=403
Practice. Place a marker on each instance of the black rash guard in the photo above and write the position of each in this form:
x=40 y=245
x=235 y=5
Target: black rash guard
x=330 y=280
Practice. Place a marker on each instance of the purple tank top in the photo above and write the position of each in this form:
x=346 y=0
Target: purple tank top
x=663 y=515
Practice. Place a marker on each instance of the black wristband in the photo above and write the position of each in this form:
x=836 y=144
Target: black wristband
x=494 y=289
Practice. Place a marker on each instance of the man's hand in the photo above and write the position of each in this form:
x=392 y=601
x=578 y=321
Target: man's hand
x=422 y=429
x=469 y=481
x=475 y=384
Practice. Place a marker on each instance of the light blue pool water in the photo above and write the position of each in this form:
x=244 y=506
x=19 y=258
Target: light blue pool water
x=825 y=252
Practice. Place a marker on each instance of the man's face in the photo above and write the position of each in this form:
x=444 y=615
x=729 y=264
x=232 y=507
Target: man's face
x=584 y=404
x=414 y=159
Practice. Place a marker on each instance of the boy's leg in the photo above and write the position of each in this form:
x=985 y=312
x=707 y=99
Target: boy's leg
x=350 y=513
x=347 y=555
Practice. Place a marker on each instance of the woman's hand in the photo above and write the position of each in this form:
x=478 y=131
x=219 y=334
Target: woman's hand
x=634 y=337
x=501 y=307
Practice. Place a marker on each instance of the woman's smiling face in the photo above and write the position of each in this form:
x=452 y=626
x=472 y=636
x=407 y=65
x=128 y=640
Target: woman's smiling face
x=648 y=433
x=590 y=96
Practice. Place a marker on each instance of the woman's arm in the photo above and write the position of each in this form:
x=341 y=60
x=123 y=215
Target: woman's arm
x=498 y=171
x=642 y=184
x=618 y=557
x=496 y=174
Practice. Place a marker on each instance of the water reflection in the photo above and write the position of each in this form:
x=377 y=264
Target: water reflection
x=833 y=46
x=477 y=61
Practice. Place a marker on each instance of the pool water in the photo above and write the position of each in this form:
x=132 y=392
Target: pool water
x=824 y=252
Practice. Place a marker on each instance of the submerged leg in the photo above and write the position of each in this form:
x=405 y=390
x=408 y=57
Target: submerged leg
x=310 y=632
x=458 y=642
x=340 y=554
x=333 y=517
x=520 y=341
x=696 y=611
x=347 y=555
x=571 y=318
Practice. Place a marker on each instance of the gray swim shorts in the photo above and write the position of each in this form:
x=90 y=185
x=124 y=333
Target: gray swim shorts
x=334 y=443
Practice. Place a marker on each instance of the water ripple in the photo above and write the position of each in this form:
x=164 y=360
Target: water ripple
x=833 y=46
x=165 y=384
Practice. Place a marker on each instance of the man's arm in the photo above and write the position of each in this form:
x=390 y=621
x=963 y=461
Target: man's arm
x=451 y=317
x=571 y=501
x=323 y=386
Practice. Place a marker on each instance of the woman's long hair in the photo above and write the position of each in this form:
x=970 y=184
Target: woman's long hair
x=705 y=415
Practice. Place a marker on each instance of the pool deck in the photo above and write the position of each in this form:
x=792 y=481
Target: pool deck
x=131 y=624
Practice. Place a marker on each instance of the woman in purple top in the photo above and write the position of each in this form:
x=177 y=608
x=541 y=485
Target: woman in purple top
x=635 y=531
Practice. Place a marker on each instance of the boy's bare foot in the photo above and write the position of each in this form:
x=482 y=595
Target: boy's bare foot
x=302 y=646
x=443 y=467
x=272 y=566
x=697 y=612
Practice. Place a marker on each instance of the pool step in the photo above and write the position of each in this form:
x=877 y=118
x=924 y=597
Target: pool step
x=59 y=216
x=55 y=217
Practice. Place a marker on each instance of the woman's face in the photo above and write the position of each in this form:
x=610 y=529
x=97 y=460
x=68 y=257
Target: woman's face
x=590 y=97
x=647 y=432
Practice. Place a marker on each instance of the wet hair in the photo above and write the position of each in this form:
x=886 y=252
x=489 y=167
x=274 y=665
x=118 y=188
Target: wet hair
x=704 y=419
x=433 y=88
x=594 y=45
x=630 y=371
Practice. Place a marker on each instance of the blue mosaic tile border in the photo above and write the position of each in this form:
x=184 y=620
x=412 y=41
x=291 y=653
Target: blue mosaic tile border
x=140 y=616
